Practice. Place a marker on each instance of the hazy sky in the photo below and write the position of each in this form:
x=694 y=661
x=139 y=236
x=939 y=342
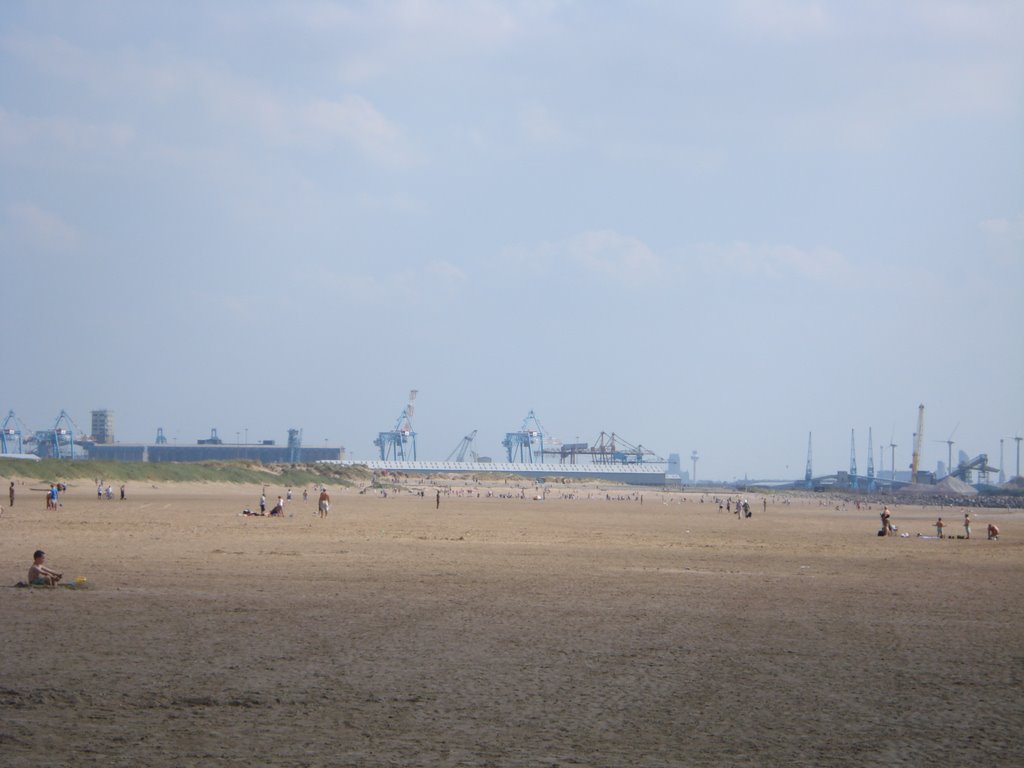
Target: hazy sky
x=702 y=225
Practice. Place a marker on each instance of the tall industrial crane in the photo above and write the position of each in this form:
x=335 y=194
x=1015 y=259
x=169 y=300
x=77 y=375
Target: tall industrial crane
x=59 y=441
x=466 y=444
x=10 y=434
x=519 y=445
x=392 y=444
x=613 y=449
x=915 y=461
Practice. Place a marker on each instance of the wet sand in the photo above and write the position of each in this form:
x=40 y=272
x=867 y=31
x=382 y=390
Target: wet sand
x=506 y=632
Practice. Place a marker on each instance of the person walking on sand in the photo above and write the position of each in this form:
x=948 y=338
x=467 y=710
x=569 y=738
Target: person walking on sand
x=323 y=503
x=939 y=525
x=967 y=525
x=12 y=493
x=438 y=504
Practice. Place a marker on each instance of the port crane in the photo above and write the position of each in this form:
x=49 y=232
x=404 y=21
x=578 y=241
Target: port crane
x=58 y=442
x=10 y=434
x=614 y=449
x=519 y=445
x=392 y=443
x=466 y=444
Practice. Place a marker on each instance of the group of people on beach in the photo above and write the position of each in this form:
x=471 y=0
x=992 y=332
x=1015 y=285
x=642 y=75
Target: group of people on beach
x=888 y=529
x=109 y=492
x=323 y=504
x=992 y=530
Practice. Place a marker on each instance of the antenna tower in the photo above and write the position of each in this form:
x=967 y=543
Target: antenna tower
x=807 y=472
x=853 y=461
x=871 y=457
x=892 y=448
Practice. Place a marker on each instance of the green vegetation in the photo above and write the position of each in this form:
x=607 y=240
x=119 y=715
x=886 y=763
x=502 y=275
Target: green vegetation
x=53 y=470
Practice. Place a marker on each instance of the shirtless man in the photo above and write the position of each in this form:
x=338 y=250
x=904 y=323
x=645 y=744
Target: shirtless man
x=39 y=575
x=324 y=503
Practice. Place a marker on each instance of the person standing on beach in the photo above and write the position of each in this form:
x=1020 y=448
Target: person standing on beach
x=939 y=525
x=438 y=505
x=323 y=503
x=12 y=493
x=122 y=491
x=886 y=521
x=263 y=502
x=967 y=524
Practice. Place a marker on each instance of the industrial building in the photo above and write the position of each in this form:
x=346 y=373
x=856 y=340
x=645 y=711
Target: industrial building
x=65 y=441
x=103 y=427
x=261 y=452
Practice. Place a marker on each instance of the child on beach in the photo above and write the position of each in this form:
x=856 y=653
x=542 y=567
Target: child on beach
x=39 y=575
x=938 y=527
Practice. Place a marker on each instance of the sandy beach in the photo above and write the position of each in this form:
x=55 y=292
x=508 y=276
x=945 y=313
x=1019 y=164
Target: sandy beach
x=495 y=631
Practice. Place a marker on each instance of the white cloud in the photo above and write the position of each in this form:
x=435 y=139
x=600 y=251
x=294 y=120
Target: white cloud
x=755 y=260
x=42 y=229
x=602 y=255
x=198 y=91
x=403 y=288
x=1005 y=229
x=356 y=121
x=1005 y=238
x=614 y=256
x=446 y=274
x=972 y=20
x=18 y=131
x=541 y=127
x=782 y=20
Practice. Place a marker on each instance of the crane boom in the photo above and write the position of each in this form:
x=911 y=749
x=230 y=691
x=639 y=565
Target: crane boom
x=918 y=439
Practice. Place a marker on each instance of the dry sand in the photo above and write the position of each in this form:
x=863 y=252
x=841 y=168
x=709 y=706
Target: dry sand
x=506 y=632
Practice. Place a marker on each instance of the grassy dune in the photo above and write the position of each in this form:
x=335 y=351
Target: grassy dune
x=53 y=470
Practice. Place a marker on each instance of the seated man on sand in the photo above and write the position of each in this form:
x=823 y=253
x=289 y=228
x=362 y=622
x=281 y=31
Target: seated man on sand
x=39 y=575
x=993 y=532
